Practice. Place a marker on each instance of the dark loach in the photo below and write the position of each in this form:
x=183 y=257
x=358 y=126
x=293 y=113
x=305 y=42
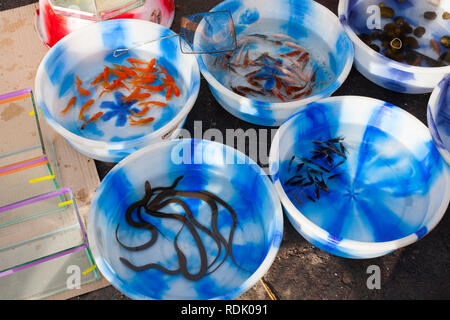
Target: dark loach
x=153 y=204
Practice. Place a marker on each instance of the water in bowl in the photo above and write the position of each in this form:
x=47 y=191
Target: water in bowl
x=412 y=32
x=268 y=72
x=116 y=122
x=249 y=246
x=377 y=194
x=442 y=117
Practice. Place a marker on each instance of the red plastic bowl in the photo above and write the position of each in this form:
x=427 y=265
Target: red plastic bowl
x=51 y=27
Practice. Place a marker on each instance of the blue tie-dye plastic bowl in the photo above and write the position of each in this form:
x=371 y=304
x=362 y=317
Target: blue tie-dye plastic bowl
x=205 y=165
x=357 y=15
x=392 y=189
x=438 y=117
x=84 y=53
x=311 y=25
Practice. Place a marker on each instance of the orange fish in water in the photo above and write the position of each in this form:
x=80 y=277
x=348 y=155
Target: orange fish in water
x=142 y=83
x=82 y=91
x=278 y=83
x=171 y=83
x=417 y=61
x=169 y=93
x=304 y=93
x=142 y=96
x=71 y=102
x=84 y=107
x=154 y=88
x=120 y=74
x=141 y=122
x=128 y=71
x=168 y=78
x=246 y=58
x=106 y=74
x=105 y=84
x=116 y=83
x=176 y=91
x=142 y=70
x=135 y=61
x=156 y=103
x=294 y=53
x=293 y=89
x=132 y=96
x=145 y=79
x=151 y=64
x=122 y=85
x=134 y=93
x=148 y=77
x=294 y=46
x=97 y=79
x=101 y=93
x=93 y=119
x=278 y=94
x=78 y=81
x=435 y=46
x=303 y=57
x=142 y=112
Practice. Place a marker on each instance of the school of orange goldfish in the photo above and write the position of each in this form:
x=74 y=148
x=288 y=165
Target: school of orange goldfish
x=138 y=79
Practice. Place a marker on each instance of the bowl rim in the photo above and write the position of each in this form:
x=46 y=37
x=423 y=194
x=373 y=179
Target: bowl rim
x=273 y=245
x=128 y=143
x=328 y=91
x=373 y=54
x=321 y=234
x=432 y=104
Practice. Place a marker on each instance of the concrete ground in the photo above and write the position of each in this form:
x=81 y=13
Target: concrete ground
x=300 y=270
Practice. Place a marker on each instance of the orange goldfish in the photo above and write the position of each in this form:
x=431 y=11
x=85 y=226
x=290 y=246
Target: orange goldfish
x=92 y=119
x=144 y=121
x=142 y=112
x=84 y=107
x=71 y=102
x=156 y=103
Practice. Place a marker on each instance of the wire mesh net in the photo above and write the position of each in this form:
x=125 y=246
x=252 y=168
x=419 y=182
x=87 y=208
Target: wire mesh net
x=207 y=32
